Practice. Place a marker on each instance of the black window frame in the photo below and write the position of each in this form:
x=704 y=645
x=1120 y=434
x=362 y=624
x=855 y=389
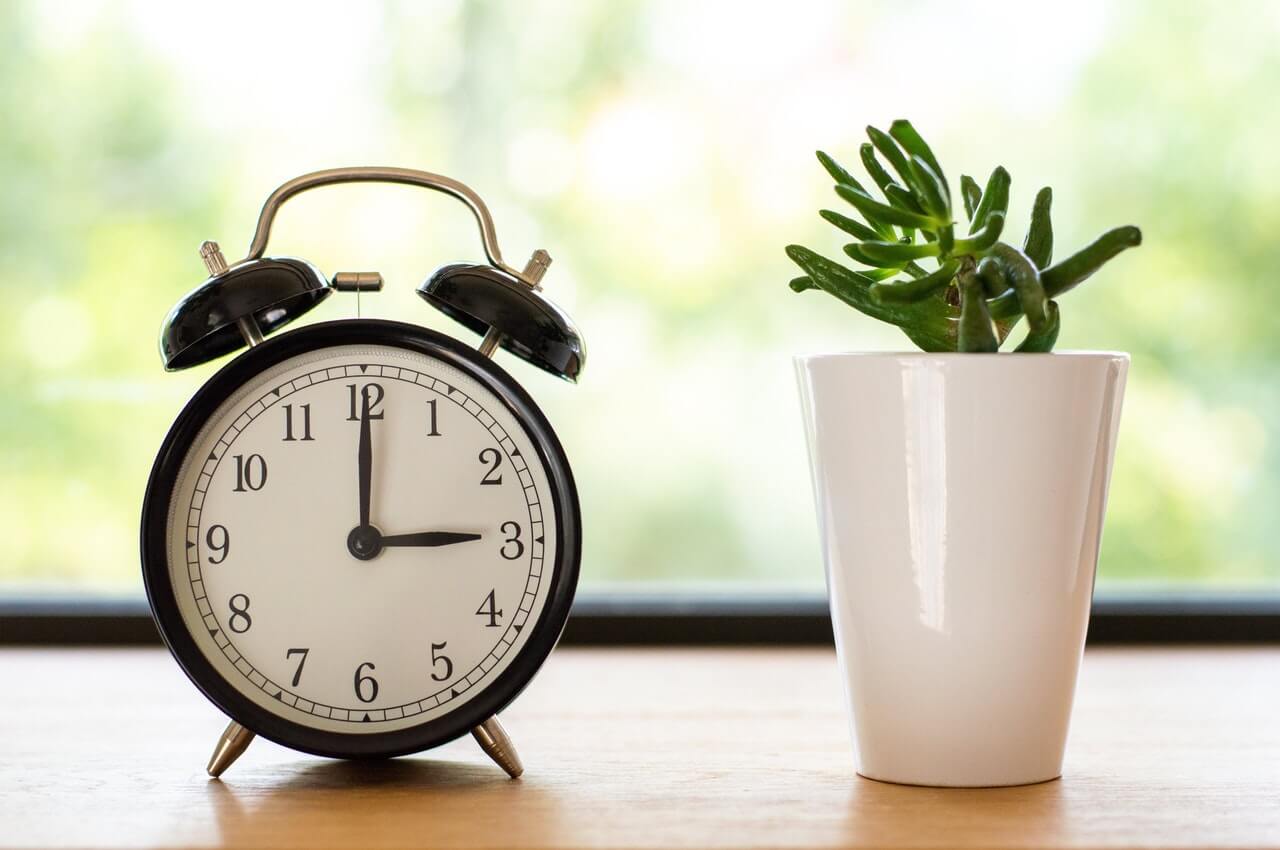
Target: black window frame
x=622 y=618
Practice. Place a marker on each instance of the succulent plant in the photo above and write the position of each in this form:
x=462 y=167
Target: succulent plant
x=980 y=286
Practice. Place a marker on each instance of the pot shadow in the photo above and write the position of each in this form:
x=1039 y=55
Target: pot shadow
x=886 y=813
x=427 y=802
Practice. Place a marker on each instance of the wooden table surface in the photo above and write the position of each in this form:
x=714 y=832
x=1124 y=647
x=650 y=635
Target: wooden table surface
x=639 y=748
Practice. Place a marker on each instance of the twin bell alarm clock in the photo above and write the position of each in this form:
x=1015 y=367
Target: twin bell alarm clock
x=361 y=538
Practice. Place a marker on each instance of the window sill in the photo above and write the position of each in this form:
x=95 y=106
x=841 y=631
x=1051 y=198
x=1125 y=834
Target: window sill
x=705 y=619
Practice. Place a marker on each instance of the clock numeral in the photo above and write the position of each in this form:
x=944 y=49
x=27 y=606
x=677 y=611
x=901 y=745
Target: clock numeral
x=217 y=539
x=251 y=473
x=240 y=620
x=489 y=609
x=297 y=674
x=513 y=529
x=362 y=681
x=438 y=658
x=494 y=457
x=306 y=424
x=373 y=393
x=435 y=420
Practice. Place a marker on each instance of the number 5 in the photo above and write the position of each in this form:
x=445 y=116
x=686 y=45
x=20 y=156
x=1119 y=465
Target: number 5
x=437 y=660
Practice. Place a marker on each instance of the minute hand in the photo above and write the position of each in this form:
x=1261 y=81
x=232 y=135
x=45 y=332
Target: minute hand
x=429 y=538
x=364 y=461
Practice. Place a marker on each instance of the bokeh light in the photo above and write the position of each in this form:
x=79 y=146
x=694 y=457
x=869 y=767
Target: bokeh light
x=662 y=152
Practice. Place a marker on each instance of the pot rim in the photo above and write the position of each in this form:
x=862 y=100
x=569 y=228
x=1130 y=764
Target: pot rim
x=967 y=356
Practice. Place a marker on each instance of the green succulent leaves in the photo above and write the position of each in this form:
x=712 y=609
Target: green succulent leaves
x=972 y=194
x=1043 y=339
x=984 y=238
x=994 y=198
x=888 y=254
x=1039 y=242
x=979 y=286
x=976 y=332
x=878 y=213
x=1079 y=266
x=910 y=291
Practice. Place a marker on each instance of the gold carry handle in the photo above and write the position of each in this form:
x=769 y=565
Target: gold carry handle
x=406 y=176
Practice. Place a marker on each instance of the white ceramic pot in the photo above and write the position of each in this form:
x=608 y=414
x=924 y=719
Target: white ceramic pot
x=960 y=502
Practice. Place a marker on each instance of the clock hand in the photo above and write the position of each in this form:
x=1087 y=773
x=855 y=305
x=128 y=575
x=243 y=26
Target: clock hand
x=365 y=461
x=429 y=538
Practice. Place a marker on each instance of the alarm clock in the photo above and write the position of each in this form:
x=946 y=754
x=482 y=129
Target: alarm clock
x=361 y=538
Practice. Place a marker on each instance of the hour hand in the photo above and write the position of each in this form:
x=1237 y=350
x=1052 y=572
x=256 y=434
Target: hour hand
x=429 y=538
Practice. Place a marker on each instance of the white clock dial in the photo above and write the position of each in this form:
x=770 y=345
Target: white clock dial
x=283 y=599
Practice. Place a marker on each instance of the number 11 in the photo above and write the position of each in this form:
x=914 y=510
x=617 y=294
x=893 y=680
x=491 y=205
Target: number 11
x=288 y=423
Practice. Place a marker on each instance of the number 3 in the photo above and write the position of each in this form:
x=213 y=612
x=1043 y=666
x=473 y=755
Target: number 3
x=512 y=528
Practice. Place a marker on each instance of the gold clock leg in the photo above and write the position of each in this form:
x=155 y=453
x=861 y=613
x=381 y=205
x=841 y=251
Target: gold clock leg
x=230 y=747
x=493 y=739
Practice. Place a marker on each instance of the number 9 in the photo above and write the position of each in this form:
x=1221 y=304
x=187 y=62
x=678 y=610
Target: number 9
x=219 y=541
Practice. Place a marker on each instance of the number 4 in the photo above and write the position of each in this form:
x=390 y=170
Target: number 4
x=490 y=609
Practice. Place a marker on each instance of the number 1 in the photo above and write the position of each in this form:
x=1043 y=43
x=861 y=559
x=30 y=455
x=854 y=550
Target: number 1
x=435 y=429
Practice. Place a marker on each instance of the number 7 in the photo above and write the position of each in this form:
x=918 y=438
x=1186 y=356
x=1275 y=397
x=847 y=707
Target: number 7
x=297 y=677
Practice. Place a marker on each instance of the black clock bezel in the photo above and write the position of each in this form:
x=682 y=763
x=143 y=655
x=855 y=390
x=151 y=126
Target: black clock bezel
x=155 y=557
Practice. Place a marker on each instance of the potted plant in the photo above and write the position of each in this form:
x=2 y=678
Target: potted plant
x=960 y=494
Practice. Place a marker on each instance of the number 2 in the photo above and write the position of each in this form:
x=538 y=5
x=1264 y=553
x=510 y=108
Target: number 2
x=491 y=456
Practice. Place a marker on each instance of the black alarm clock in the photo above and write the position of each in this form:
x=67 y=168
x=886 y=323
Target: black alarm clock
x=361 y=538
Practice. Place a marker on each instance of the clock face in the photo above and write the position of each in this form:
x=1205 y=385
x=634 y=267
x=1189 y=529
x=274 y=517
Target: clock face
x=362 y=538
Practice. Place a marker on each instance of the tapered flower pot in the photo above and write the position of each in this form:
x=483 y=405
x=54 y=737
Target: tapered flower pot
x=960 y=502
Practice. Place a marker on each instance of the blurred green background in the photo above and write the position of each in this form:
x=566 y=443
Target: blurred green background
x=662 y=152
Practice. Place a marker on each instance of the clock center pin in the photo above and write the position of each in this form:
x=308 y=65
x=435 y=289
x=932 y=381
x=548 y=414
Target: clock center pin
x=364 y=542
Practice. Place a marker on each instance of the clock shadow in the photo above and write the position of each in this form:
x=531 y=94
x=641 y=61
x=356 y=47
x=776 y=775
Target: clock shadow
x=426 y=802
x=404 y=774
